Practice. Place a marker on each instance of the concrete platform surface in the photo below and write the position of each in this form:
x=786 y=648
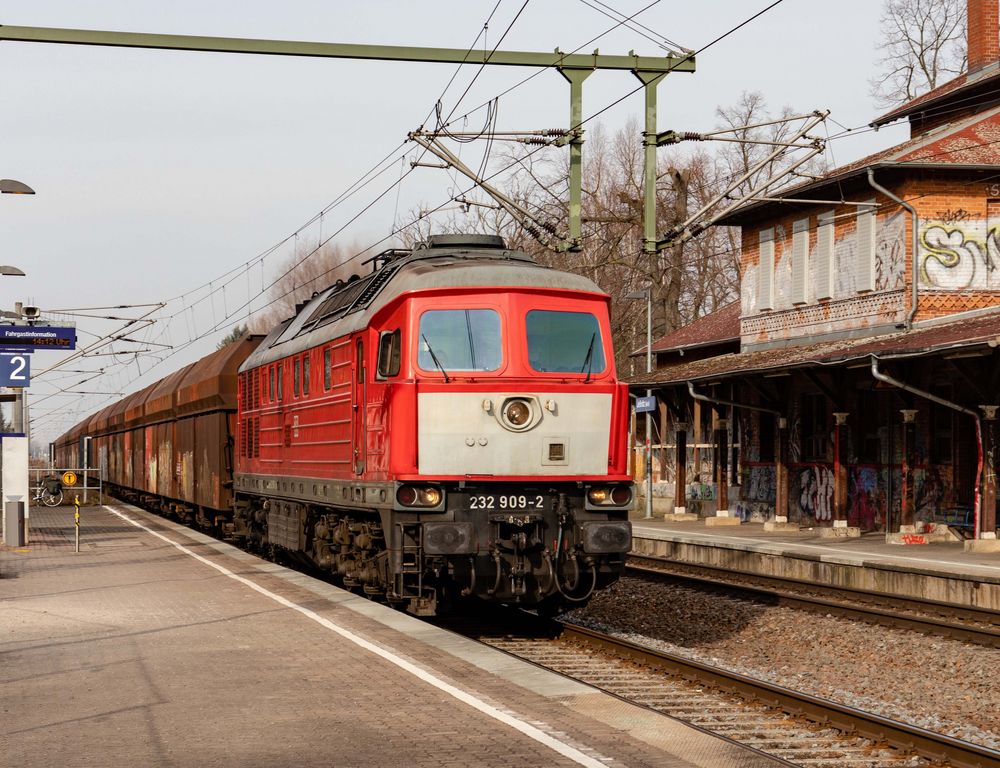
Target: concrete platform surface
x=156 y=645
x=941 y=571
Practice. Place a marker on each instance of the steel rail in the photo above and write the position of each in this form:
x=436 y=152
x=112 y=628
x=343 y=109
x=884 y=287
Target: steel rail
x=987 y=635
x=935 y=746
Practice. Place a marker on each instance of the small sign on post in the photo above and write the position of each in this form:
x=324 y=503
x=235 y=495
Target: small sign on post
x=645 y=404
x=76 y=519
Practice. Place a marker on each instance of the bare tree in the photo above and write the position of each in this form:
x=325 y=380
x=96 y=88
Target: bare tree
x=924 y=43
x=238 y=332
x=304 y=272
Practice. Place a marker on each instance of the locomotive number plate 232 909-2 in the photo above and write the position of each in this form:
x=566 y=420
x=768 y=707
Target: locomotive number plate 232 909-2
x=516 y=502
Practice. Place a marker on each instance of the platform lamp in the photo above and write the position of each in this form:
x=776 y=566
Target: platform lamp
x=12 y=187
x=647 y=294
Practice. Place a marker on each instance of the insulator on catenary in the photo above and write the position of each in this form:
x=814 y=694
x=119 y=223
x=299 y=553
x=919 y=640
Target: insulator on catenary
x=675 y=137
x=535 y=140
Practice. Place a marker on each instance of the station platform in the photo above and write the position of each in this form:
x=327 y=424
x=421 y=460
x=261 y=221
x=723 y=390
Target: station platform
x=157 y=645
x=942 y=572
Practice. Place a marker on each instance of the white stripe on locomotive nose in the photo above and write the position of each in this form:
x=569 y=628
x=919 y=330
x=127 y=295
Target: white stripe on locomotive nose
x=516 y=723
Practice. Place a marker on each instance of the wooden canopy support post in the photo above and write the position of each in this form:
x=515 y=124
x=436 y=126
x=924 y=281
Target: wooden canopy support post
x=906 y=522
x=988 y=525
x=840 y=525
x=780 y=521
x=722 y=515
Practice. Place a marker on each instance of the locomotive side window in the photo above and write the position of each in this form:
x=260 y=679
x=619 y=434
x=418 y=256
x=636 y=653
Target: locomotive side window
x=388 y=354
x=295 y=377
x=327 y=368
x=305 y=375
x=564 y=342
x=460 y=340
x=271 y=370
x=281 y=383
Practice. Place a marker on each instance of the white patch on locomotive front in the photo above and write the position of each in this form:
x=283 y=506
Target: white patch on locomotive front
x=497 y=434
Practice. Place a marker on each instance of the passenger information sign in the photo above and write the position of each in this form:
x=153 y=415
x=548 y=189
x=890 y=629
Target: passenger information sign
x=645 y=404
x=37 y=337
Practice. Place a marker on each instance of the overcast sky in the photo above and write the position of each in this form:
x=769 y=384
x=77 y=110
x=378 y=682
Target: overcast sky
x=160 y=172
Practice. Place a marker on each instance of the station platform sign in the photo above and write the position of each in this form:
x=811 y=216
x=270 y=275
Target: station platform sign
x=645 y=404
x=22 y=338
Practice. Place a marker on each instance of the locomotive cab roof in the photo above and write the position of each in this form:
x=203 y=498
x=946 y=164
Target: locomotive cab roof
x=443 y=261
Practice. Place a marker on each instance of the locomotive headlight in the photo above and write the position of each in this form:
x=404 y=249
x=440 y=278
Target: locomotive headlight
x=418 y=496
x=517 y=413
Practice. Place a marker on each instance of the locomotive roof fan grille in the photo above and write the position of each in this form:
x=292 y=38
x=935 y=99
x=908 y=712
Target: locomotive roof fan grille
x=480 y=242
x=519 y=413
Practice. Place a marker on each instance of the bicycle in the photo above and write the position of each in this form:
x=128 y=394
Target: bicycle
x=49 y=492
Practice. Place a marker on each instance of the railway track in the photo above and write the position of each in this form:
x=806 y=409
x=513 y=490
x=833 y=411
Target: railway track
x=800 y=729
x=981 y=627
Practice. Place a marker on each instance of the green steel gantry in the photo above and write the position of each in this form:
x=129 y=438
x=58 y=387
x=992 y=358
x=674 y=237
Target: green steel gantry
x=574 y=67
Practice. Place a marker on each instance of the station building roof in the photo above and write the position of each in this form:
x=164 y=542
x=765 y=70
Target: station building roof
x=965 y=332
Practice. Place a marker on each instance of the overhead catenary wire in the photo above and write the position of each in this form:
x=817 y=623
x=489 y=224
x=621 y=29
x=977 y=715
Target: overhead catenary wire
x=253 y=263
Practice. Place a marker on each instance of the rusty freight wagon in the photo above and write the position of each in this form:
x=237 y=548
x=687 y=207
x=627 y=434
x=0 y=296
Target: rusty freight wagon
x=169 y=446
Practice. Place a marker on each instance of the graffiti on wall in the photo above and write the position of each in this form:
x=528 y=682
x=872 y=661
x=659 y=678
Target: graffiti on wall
x=749 y=429
x=866 y=497
x=931 y=487
x=815 y=492
x=795 y=431
x=959 y=254
x=890 y=255
x=760 y=485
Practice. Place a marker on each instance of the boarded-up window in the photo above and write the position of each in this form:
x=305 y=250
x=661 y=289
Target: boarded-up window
x=800 y=261
x=765 y=271
x=824 y=256
x=864 y=273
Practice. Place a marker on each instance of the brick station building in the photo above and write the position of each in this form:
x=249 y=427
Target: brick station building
x=855 y=385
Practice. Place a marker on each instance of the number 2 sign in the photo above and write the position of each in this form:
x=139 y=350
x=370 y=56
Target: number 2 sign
x=15 y=370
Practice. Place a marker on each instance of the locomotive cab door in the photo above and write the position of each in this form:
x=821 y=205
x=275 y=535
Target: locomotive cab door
x=358 y=410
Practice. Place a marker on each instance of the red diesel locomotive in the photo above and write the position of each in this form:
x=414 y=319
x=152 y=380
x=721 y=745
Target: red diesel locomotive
x=450 y=424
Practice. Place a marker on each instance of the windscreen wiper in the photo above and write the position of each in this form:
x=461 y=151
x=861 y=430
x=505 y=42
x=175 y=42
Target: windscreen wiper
x=588 y=361
x=435 y=358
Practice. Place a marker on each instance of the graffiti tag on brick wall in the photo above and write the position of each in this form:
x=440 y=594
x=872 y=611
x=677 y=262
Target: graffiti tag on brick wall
x=816 y=492
x=761 y=484
x=958 y=256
